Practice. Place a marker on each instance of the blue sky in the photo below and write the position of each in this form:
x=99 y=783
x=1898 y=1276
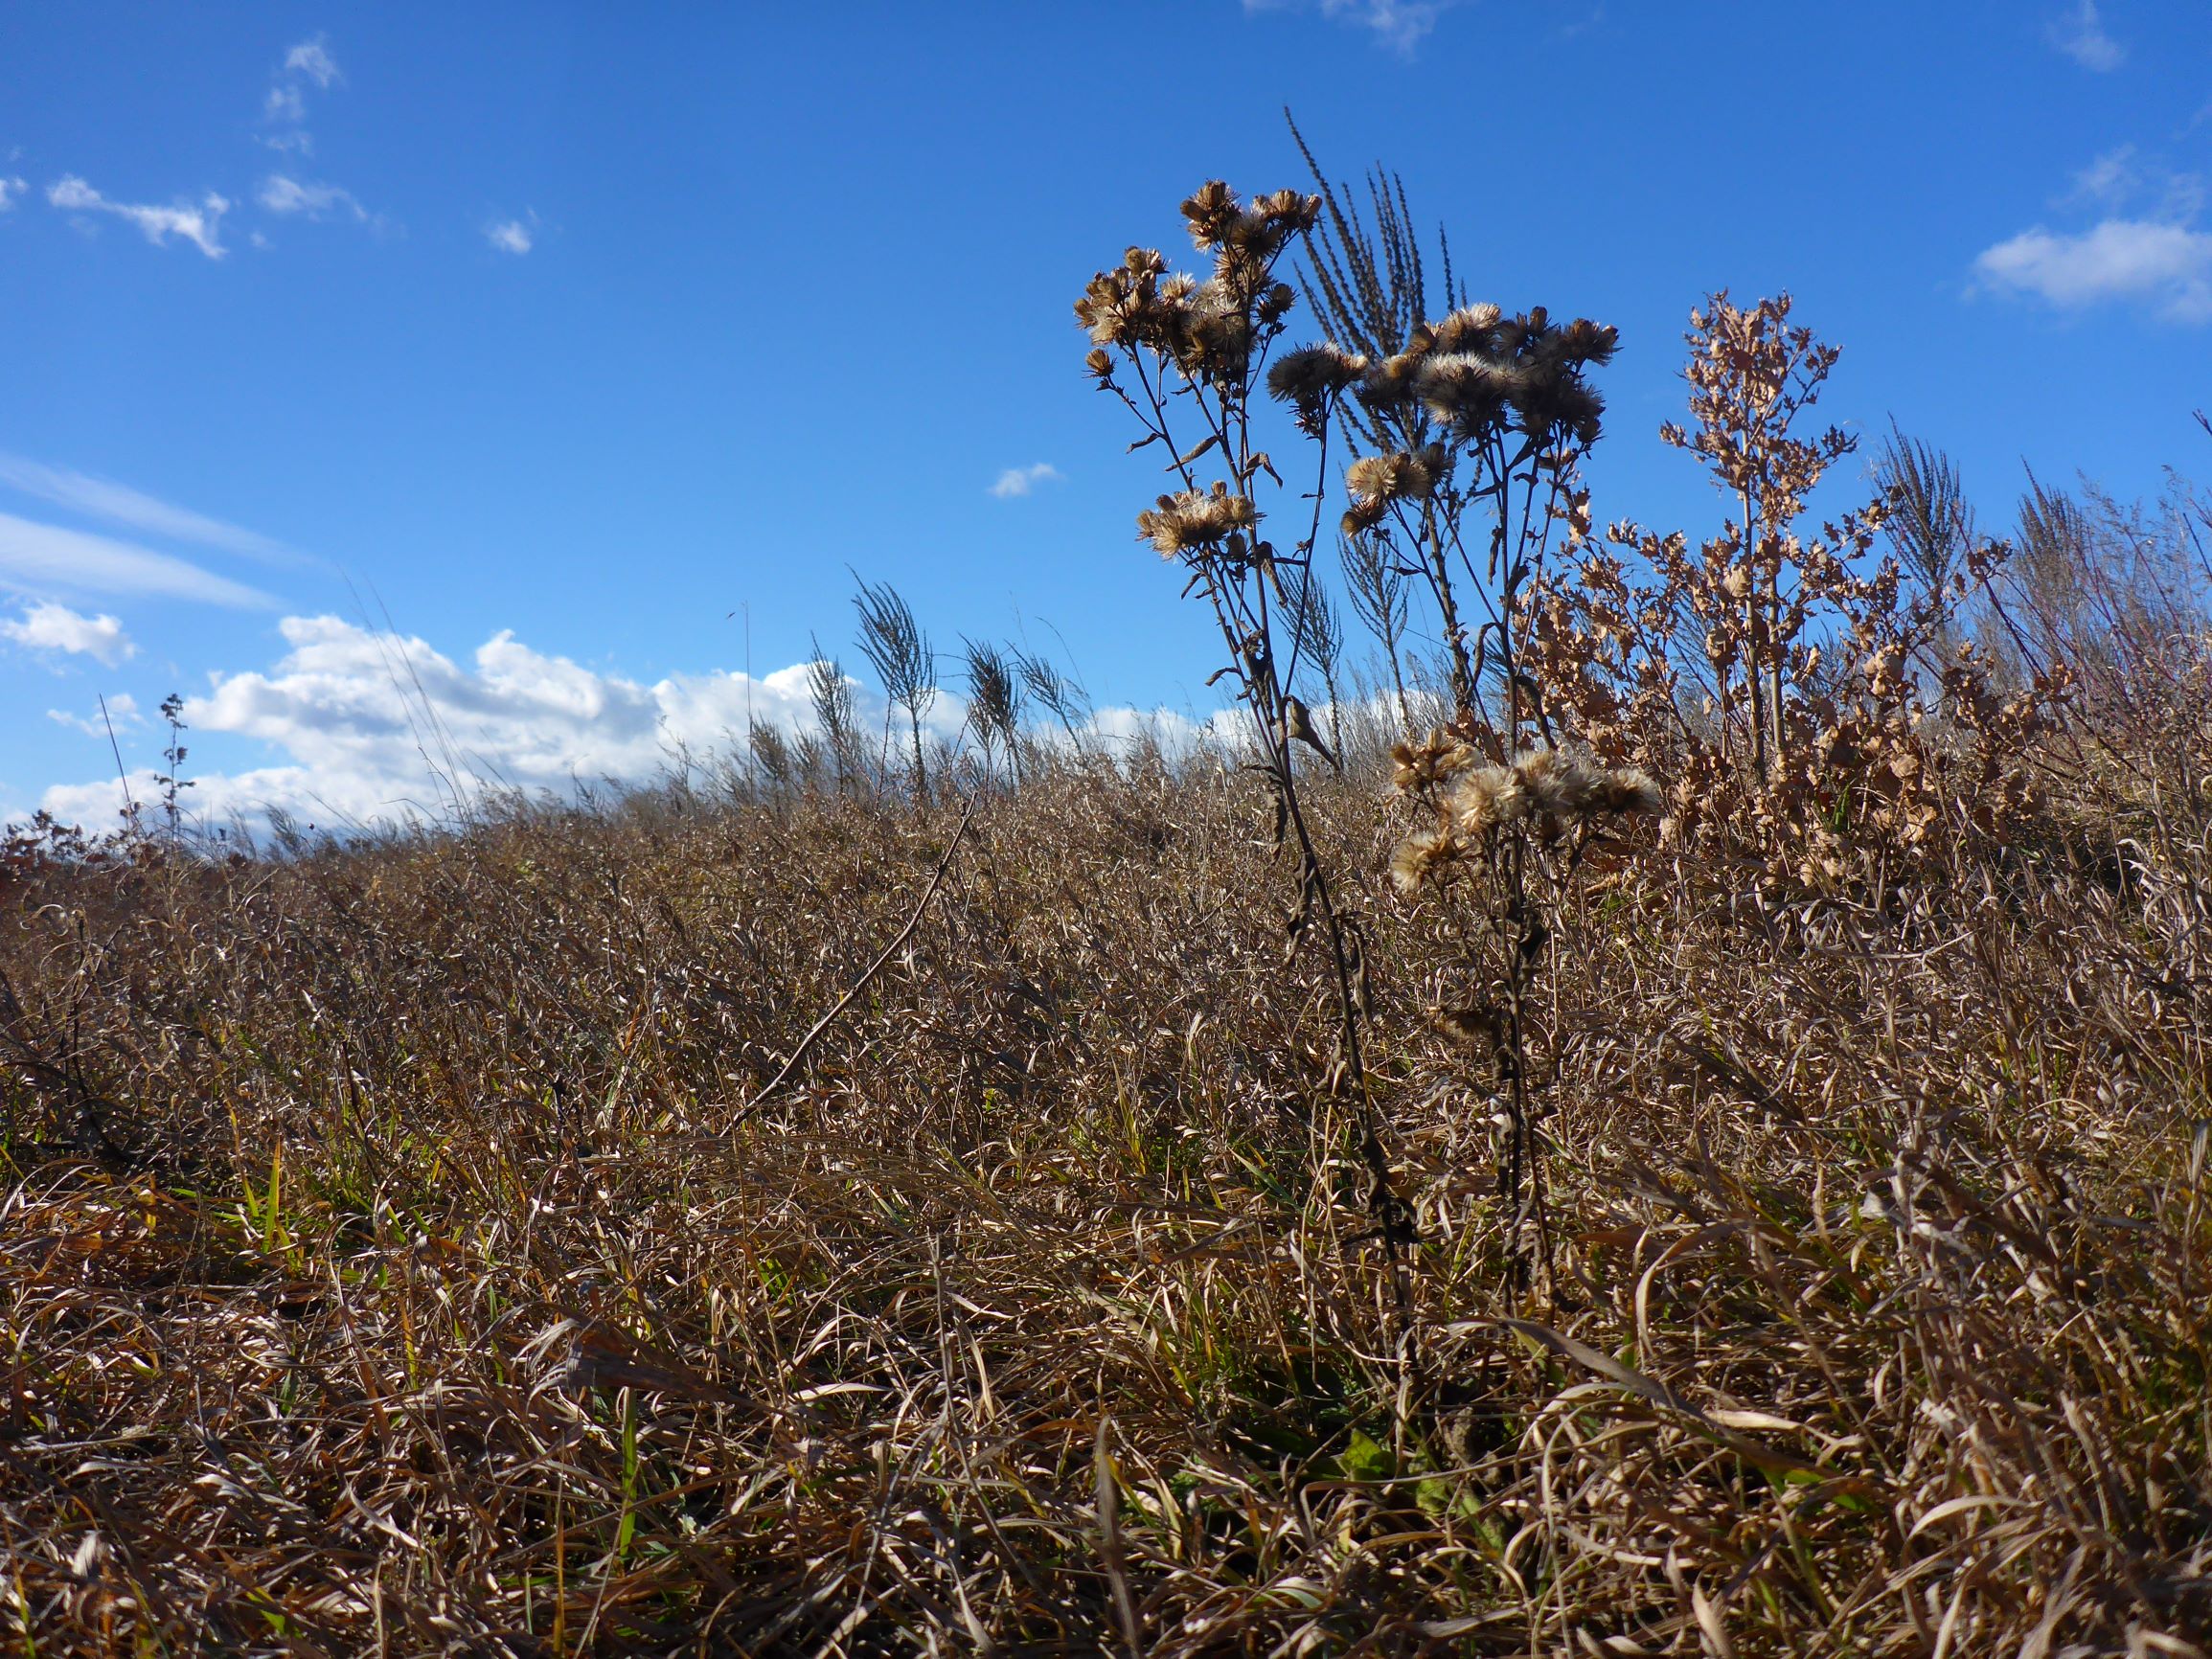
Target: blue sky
x=550 y=335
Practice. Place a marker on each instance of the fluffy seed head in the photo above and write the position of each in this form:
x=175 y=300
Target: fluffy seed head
x=1422 y=859
x=1192 y=521
x=1436 y=759
x=1466 y=329
x=1399 y=477
x=1311 y=376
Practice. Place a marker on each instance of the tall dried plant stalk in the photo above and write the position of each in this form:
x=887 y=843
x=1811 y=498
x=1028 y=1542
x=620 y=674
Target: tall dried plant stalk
x=895 y=645
x=1187 y=358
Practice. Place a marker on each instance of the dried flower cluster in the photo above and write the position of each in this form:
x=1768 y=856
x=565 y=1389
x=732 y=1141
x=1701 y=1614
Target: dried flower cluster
x=1780 y=679
x=1190 y=521
x=1552 y=794
x=1207 y=329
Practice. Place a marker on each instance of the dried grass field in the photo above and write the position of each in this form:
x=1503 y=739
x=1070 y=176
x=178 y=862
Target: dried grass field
x=1676 y=1123
x=390 y=1266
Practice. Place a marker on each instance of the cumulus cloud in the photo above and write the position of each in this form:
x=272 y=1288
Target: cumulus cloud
x=48 y=557
x=373 y=728
x=1021 y=480
x=2081 y=36
x=9 y=189
x=120 y=503
x=377 y=728
x=508 y=236
x=1400 y=24
x=2166 y=265
x=198 y=225
x=48 y=626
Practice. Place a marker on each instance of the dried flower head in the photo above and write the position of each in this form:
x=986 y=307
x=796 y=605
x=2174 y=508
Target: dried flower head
x=1422 y=858
x=1466 y=329
x=1393 y=382
x=1365 y=513
x=1552 y=402
x=1312 y=377
x=1467 y=392
x=1487 y=799
x=1436 y=759
x=1565 y=791
x=1209 y=211
x=1295 y=212
x=1582 y=342
x=1191 y=520
x=1399 y=477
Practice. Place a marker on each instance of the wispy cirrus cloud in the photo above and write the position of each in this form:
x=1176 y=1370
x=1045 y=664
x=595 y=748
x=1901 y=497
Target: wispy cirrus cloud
x=284 y=195
x=49 y=627
x=1021 y=480
x=120 y=503
x=1399 y=24
x=2081 y=35
x=2124 y=176
x=198 y=225
x=121 y=715
x=311 y=59
x=49 y=558
x=285 y=107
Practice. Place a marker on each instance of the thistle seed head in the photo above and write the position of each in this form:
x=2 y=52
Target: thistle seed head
x=1399 y=477
x=1193 y=520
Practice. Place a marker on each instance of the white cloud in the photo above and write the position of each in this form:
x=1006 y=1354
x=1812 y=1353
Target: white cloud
x=312 y=58
x=2109 y=180
x=2120 y=176
x=1021 y=480
x=2081 y=36
x=2168 y=267
x=281 y=195
x=122 y=714
x=508 y=236
x=373 y=727
x=48 y=626
x=1401 y=24
x=9 y=189
x=120 y=503
x=46 y=555
x=362 y=743
x=197 y=225
x=284 y=104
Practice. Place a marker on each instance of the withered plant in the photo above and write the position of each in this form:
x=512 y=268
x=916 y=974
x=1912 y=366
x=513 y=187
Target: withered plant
x=1469 y=430
x=894 y=644
x=831 y=694
x=1187 y=358
x=994 y=703
x=1771 y=674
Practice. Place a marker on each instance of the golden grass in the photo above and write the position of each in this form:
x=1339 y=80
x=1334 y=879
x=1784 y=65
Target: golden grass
x=390 y=1264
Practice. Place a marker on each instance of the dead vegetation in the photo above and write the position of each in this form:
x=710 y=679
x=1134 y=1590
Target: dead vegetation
x=387 y=1265
x=484 y=1242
